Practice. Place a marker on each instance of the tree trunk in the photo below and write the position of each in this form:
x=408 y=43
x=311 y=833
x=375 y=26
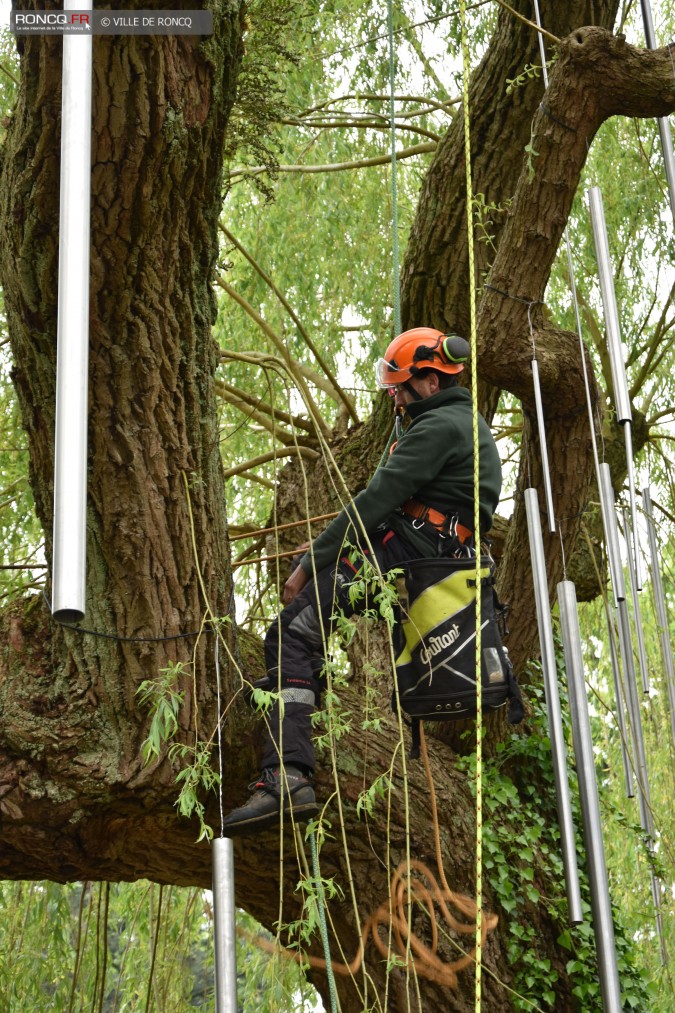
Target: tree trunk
x=156 y=508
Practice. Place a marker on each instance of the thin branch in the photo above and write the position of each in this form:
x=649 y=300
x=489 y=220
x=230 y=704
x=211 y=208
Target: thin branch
x=526 y=21
x=415 y=44
x=663 y=510
x=338 y=392
x=369 y=97
x=660 y=331
x=272 y=455
x=9 y=74
x=262 y=406
x=287 y=359
x=362 y=163
x=362 y=124
x=250 y=477
x=659 y=415
x=253 y=414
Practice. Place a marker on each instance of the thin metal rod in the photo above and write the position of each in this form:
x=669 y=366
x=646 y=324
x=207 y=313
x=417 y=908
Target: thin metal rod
x=608 y=510
x=590 y=804
x=661 y=611
x=637 y=614
x=644 y=801
x=555 y=726
x=72 y=358
x=628 y=438
x=620 y=704
x=664 y=122
x=224 y=926
x=541 y=426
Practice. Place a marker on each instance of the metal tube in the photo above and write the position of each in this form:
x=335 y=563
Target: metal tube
x=224 y=928
x=619 y=382
x=608 y=509
x=590 y=805
x=664 y=122
x=637 y=615
x=72 y=360
x=628 y=437
x=555 y=726
x=660 y=606
x=644 y=801
x=541 y=426
x=620 y=704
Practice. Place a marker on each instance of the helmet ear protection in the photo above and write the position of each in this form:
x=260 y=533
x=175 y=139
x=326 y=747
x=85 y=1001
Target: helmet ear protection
x=456 y=349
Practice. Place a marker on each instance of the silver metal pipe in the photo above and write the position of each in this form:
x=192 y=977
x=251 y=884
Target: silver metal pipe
x=620 y=704
x=608 y=509
x=619 y=382
x=664 y=122
x=541 y=426
x=644 y=801
x=628 y=438
x=224 y=926
x=660 y=606
x=637 y=614
x=72 y=356
x=555 y=726
x=590 y=804
x=615 y=348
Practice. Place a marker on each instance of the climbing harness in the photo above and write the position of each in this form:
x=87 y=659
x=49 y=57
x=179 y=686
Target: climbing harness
x=447 y=525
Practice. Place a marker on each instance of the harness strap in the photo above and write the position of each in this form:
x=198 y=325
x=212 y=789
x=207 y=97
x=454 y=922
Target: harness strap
x=440 y=521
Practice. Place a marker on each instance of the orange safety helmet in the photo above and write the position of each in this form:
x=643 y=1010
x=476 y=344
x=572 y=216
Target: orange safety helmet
x=418 y=349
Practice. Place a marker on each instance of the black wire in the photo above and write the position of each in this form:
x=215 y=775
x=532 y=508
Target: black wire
x=124 y=640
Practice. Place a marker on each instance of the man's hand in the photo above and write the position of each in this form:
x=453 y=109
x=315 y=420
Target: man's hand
x=294 y=585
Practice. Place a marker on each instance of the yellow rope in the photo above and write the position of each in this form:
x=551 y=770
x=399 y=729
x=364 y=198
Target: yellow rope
x=476 y=525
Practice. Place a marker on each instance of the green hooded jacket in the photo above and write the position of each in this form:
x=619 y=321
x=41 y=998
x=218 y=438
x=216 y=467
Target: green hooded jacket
x=432 y=463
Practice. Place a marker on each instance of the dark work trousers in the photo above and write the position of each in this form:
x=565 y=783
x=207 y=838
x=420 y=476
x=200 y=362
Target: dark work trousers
x=295 y=647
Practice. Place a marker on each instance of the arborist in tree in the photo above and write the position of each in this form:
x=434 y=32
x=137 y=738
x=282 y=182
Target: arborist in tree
x=419 y=503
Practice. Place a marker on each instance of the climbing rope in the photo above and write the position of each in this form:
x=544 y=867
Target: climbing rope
x=394 y=192
x=423 y=892
x=476 y=495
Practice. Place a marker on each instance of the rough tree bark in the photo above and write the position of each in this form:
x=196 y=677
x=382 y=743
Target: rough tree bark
x=75 y=800
x=71 y=727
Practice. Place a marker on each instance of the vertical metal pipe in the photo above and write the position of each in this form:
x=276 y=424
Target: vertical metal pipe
x=608 y=509
x=620 y=704
x=661 y=611
x=224 y=928
x=637 y=614
x=590 y=805
x=541 y=426
x=644 y=801
x=72 y=357
x=664 y=122
x=628 y=438
x=556 y=733
x=619 y=381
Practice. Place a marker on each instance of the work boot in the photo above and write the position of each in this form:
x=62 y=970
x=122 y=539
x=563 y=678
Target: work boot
x=268 y=682
x=263 y=809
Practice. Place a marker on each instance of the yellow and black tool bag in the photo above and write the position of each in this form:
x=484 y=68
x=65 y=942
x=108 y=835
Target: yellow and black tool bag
x=436 y=649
